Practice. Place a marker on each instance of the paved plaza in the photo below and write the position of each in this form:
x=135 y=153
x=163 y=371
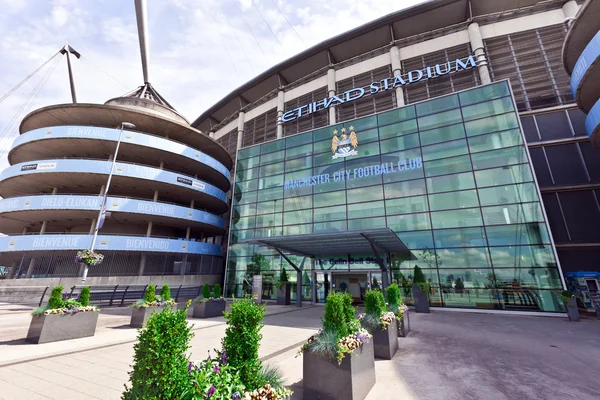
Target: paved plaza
x=448 y=355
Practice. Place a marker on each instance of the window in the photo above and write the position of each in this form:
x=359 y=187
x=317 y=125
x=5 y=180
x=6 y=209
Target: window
x=309 y=121
x=260 y=129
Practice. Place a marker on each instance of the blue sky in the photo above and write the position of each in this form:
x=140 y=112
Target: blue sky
x=200 y=50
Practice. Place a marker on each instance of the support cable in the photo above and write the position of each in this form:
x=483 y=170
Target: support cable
x=252 y=31
x=288 y=22
x=27 y=78
x=268 y=26
x=105 y=72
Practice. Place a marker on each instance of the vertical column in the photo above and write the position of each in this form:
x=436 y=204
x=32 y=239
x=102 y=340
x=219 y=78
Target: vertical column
x=280 y=109
x=13 y=270
x=32 y=261
x=241 y=120
x=570 y=10
x=211 y=134
x=331 y=92
x=477 y=48
x=397 y=71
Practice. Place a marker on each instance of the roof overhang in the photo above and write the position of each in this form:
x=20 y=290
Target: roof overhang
x=384 y=240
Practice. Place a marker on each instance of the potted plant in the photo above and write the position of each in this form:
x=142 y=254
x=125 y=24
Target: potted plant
x=284 y=289
x=570 y=302
x=63 y=318
x=209 y=305
x=144 y=307
x=89 y=257
x=395 y=305
x=421 y=290
x=381 y=324
x=338 y=361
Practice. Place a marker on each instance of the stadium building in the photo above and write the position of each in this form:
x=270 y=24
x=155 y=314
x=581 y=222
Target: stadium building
x=445 y=136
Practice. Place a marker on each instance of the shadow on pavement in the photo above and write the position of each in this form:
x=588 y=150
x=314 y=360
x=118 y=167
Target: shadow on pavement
x=14 y=342
x=306 y=317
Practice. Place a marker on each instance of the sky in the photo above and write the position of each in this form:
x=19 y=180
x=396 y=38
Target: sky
x=200 y=50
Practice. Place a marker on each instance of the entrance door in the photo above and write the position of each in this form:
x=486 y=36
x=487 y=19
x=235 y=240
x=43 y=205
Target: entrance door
x=321 y=286
x=355 y=283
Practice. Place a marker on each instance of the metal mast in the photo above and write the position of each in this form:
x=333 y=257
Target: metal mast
x=69 y=50
x=141 y=15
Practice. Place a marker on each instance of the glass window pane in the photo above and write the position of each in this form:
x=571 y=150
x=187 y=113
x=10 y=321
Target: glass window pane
x=399 y=129
x=405 y=174
x=272 y=146
x=522 y=257
x=445 y=134
x=270 y=206
x=271 y=169
x=362 y=210
x=494 y=107
x=416 y=239
x=399 y=114
x=404 y=189
x=406 y=205
x=366 y=150
x=248 y=163
x=297 y=229
x=448 y=183
x=303 y=150
x=365 y=194
x=504 y=175
x=297 y=164
x=409 y=222
x=330 y=213
x=248 y=152
x=521 y=193
x=244 y=223
x=246 y=174
x=246 y=197
x=246 y=186
x=444 y=150
x=492 y=124
x=441 y=119
x=448 y=166
x=337 y=226
x=270 y=194
x=459 y=237
x=267 y=220
x=452 y=200
x=270 y=181
x=272 y=157
x=298 y=140
x=246 y=210
x=484 y=93
x=297 y=217
x=330 y=199
x=523 y=234
x=297 y=203
x=456 y=218
x=366 y=136
x=512 y=214
x=366 y=223
x=437 y=105
x=399 y=143
x=496 y=140
x=475 y=257
x=535 y=278
x=497 y=158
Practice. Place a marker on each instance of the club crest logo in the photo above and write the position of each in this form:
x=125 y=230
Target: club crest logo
x=345 y=145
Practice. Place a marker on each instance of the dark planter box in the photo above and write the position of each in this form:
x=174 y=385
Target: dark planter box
x=283 y=294
x=55 y=327
x=403 y=325
x=209 y=309
x=572 y=310
x=385 y=342
x=324 y=379
x=421 y=300
x=140 y=315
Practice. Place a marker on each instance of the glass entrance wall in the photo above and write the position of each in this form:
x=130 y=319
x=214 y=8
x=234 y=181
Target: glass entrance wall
x=450 y=176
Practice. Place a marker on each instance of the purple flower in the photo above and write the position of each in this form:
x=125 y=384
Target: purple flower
x=190 y=366
x=237 y=396
x=210 y=392
x=217 y=369
x=224 y=358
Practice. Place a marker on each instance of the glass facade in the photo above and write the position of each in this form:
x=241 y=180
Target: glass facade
x=450 y=176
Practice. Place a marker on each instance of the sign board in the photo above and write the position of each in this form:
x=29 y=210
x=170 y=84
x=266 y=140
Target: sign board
x=257 y=285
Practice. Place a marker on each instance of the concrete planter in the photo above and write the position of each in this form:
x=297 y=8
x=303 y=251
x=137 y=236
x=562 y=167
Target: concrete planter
x=353 y=379
x=209 y=309
x=140 y=315
x=385 y=342
x=403 y=325
x=572 y=310
x=283 y=294
x=421 y=300
x=55 y=327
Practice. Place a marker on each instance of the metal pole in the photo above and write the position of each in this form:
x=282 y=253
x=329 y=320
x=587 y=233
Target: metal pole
x=71 y=80
x=112 y=168
x=142 y=17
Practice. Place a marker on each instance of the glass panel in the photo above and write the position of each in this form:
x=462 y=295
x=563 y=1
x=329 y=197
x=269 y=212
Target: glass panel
x=441 y=119
x=399 y=114
x=451 y=200
x=406 y=205
x=271 y=169
x=445 y=134
x=409 y=222
x=488 y=108
x=248 y=163
x=246 y=174
x=248 y=152
x=267 y=220
x=370 y=135
x=298 y=164
x=272 y=158
x=337 y=226
x=271 y=181
x=268 y=232
x=270 y=206
x=522 y=257
x=245 y=198
x=303 y=150
x=437 y=105
x=270 y=194
x=297 y=217
x=363 y=124
x=361 y=210
x=399 y=143
x=416 y=239
x=405 y=174
x=366 y=223
x=448 y=166
x=447 y=183
x=521 y=193
x=298 y=140
x=492 y=124
x=330 y=199
x=496 y=140
x=272 y=146
x=497 y=158
x=398 y=129
x=366 y=150
x=459 y=237
x=403 y=189
x=504 y=175
x=456 y=218
x=330 y=213
x=484 y=93
x=531 y=233
x=244 y=223
x=297 y=203
x=475 y=257
x=246 y=210
x=246 y=186
x=535 y=278
x=365 y=194
x=512 y=214
x=297 y=229
x=444 y=150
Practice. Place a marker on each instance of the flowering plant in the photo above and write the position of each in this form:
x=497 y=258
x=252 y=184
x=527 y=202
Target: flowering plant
x=88 y=257
x=214 y=378
x=63 y=303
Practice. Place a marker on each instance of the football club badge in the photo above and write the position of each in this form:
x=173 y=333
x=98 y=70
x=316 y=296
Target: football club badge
x=345 y=145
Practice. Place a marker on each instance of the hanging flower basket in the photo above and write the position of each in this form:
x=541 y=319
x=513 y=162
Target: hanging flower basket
x=88 y=257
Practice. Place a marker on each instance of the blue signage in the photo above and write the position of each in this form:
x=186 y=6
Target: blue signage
x=142 y=139
x=592 y=121
x=589 y=55
x=383 y=85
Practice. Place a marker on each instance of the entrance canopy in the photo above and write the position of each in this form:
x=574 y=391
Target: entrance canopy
x=382 y=240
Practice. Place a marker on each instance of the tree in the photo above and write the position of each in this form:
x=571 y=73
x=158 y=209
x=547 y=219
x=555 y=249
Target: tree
x=459 y=286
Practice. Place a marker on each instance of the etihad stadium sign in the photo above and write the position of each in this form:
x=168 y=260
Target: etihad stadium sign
x=383 y=85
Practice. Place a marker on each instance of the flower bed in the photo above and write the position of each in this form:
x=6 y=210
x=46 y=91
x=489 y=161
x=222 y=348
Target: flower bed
x=381 y=324
x=210 y=304
x=151 y=302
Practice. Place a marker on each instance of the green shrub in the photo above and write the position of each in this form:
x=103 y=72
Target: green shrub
x=165 y=293
x=392 y=295
x=84 y=297
x=375 y=284
x=374 y=303
x=55 y=300
x=339 y=314
x=283 y=278
x=565 y=296
x=418 y=275
x=160 y=365
x=206 y=291
x=242 y=340
x=216 y=291
x=150 y=294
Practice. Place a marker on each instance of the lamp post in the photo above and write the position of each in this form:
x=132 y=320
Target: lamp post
x=103 y=204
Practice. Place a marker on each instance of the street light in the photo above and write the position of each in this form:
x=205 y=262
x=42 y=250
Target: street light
x=102 y=211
